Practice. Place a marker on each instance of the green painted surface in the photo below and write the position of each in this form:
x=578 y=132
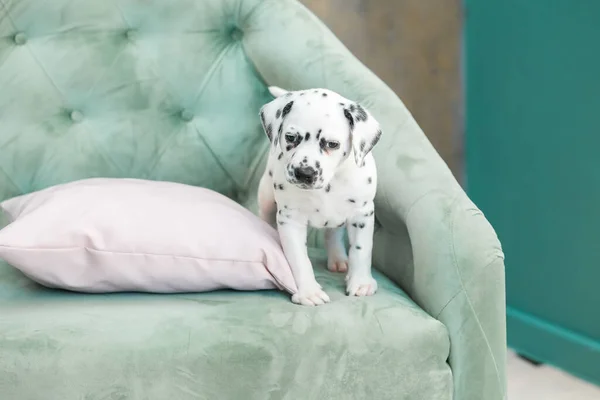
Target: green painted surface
x=533 y=163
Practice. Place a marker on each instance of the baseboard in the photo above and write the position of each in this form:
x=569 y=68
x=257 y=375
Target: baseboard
x=547 y=343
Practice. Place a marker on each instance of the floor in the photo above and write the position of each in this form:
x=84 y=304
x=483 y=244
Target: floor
x=530 y=382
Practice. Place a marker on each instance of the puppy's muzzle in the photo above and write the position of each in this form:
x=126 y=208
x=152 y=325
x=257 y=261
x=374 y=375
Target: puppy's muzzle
x=305 y=175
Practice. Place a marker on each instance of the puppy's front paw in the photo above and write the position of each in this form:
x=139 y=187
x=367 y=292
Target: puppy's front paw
x=360 y=285
x=310 y=296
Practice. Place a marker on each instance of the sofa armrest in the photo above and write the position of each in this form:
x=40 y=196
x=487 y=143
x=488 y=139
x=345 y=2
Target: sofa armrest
x=452 y=265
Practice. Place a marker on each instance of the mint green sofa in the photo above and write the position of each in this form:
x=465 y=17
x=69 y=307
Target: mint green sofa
x=170 y=90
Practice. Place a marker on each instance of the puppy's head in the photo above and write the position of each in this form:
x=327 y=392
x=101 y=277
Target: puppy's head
x=314 y=131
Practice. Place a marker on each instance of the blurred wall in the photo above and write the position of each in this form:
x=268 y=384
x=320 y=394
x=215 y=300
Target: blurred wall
x=415 y=47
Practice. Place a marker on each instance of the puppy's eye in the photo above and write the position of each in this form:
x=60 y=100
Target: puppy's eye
x=291 y=137
x=333 y=145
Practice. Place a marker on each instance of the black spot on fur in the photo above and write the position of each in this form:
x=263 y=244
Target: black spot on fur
x=324 y=95
x=348 y=116
x=278 y=113
x=370 y=180
x=279 y=156
x=270 y=173
x=281 y=222
x=289 y=147
x=361 y=225
x=302 y=94
x=280 y=186
x=362 y=145
x=361 y=114
x=287 y=109
x=316 y=91
x=307 y=136
x=318 y=134
x=285 y=206
x=354 y=225
x=358 y=247
x=345 y=154
x=327 y=188
x=275 y=186
x=352 y=107
x=376 y=138
x=342 y=224
x=270 y=131
x=317 y=164
x=317 y=210
x=364 y=204
x=326 y=223
x=352 y=200
x=288 y=94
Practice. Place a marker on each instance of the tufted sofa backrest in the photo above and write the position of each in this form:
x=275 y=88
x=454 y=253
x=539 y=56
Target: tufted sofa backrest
x=171 y=89
x=147 y=89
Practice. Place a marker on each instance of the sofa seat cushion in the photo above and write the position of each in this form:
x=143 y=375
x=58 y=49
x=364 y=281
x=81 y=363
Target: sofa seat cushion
x=218 y=345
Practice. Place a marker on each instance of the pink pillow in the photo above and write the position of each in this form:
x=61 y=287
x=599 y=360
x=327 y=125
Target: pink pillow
x=111 y=235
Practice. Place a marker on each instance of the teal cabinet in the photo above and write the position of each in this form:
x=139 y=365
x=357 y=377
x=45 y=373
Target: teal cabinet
x=533 y=167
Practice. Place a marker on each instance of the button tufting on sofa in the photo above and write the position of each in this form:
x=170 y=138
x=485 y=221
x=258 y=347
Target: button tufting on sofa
x=186 y=115
x=20 y=38
x=76 y=116
x=236 y=33
x=131 y=34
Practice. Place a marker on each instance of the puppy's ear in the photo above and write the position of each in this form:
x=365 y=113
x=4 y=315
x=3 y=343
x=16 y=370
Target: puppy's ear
x=273 y=114
x=277 y=91
x=364 y=131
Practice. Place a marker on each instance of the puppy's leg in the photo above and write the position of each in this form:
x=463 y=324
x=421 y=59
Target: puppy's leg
x=267 y=208
x=293 y=241
x=337 y=257
x=359 y=281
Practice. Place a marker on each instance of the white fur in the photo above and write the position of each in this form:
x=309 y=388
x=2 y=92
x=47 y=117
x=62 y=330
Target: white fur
x=277 y=91
x=341 y=196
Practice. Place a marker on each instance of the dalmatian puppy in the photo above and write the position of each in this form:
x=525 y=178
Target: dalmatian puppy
x=321 y=173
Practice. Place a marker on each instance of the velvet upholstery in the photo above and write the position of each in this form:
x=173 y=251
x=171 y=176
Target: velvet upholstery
x=170 y=90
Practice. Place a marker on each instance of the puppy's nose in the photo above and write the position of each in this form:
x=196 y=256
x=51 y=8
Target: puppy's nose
x=305 y=174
